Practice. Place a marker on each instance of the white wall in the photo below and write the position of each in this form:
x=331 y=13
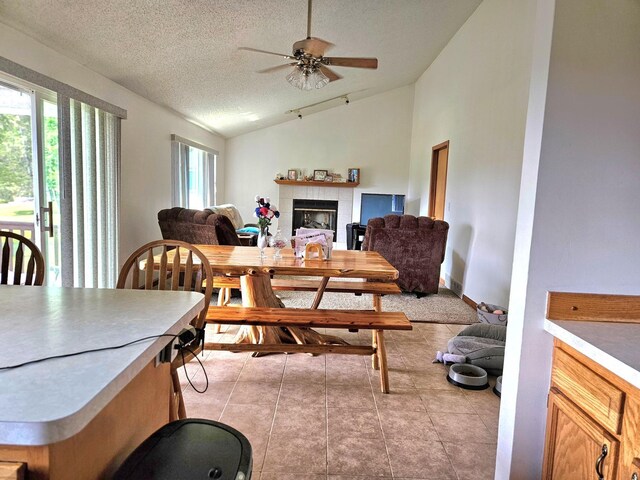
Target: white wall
x=372 y=133
x=475 y=95
x=585 y=224
x=146 y=144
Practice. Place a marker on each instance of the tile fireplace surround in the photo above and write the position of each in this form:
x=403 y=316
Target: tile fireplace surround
x=344 y=196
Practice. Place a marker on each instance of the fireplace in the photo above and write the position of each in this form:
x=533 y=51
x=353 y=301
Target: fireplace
x=344 y=197
x=315 y=214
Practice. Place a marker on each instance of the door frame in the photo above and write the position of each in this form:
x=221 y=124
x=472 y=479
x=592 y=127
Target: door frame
x=434 y=176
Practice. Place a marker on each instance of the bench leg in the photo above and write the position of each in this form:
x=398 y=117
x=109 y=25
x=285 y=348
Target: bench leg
x=374 y=344
x=377 y=306
x=381 y=353
x=221 y=294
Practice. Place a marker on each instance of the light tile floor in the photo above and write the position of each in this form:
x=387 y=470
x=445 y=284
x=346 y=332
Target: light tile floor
x=324 y=417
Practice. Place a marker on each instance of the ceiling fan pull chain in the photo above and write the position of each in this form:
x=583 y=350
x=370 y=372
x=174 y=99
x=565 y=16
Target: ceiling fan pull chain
x=309 y=20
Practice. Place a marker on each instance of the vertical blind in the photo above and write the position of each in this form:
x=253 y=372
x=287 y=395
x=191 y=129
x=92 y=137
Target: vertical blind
x=93 y=203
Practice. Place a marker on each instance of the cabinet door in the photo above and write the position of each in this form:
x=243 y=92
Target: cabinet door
x=576 y=443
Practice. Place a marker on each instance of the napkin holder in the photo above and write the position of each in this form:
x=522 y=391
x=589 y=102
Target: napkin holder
x=311 y=248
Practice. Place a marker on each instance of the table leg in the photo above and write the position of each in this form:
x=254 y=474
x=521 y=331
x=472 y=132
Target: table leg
x=320 y=292
x=257 y=292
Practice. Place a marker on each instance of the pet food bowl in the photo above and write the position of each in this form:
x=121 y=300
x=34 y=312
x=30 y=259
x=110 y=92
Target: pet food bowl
x=498 y=388
x=468 y=376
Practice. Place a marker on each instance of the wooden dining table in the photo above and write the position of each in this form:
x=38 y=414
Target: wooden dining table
x=255 y=274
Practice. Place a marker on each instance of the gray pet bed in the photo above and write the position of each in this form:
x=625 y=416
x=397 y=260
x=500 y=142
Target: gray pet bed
x=483 y=345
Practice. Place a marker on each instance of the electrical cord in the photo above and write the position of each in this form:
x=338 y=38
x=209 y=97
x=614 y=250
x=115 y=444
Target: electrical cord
x=65 y=355
x=186 y=374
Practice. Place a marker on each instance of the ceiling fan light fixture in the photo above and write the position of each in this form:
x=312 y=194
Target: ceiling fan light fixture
x=319 y=79
x=306 y=79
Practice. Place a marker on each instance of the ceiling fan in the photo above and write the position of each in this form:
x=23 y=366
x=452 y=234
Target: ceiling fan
x=310 y=66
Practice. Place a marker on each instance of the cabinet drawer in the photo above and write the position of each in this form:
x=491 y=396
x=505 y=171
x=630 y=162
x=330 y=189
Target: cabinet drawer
x=600 y=399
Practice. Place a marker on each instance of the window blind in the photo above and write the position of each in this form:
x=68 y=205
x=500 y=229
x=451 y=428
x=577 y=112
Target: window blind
x=95 y=140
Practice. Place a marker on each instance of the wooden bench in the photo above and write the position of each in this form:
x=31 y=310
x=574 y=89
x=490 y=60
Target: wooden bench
x=377 y=289
x=376 y=321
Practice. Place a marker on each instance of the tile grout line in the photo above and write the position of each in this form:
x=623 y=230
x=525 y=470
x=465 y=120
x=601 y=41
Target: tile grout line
x=326 y=419
x=275 y=412
x=375 y=405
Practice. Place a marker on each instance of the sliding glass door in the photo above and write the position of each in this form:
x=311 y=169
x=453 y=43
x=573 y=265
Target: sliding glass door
x=29 y=166
x=59 y=172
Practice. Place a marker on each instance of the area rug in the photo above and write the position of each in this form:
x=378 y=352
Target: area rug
x=444 y=307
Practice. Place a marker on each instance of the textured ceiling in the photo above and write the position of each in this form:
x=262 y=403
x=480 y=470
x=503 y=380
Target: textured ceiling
x=183 y=53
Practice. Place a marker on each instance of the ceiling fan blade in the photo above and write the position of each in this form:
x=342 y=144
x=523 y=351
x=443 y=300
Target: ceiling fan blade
x=313 y=46
x=248 y=49
x=351 y=62
x=330 y=74
x=276 y=68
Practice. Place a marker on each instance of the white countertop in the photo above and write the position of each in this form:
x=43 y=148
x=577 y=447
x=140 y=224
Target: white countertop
x=615 y=346
x=52 y=400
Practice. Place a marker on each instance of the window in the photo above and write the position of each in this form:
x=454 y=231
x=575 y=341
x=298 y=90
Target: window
x=194 y=174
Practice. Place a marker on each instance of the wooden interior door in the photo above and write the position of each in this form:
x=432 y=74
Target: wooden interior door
x=437 y=193
x=575 y=444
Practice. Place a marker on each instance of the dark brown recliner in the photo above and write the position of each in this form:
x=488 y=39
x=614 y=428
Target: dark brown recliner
x=413 y=245
x=196 y=227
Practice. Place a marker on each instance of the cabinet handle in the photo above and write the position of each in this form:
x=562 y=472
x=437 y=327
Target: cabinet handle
x=634 y=476
x=600 y=462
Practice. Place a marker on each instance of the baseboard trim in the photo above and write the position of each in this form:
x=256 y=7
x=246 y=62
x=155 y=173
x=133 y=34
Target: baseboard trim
x=469 y=302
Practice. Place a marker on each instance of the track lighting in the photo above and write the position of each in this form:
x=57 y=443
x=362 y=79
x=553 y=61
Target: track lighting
x=298 y=112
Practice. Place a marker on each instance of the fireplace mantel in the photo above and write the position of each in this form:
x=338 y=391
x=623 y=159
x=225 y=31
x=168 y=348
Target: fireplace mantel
x=317 y=184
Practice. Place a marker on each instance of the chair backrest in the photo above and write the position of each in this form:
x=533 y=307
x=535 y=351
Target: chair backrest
x=21 y=259
x=169 y=265
x=414 y=245
x=197 y=226
x=230 y=211
x=398 y=229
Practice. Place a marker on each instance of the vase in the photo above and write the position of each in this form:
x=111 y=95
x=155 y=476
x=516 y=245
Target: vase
x=263 y=240
x=278 y=242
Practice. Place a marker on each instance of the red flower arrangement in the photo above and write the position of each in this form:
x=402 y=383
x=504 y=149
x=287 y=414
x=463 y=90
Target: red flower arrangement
x=264 y=212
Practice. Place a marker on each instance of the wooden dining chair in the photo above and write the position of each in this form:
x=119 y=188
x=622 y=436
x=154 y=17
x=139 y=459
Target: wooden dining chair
x=178 y=266
x=21 y=259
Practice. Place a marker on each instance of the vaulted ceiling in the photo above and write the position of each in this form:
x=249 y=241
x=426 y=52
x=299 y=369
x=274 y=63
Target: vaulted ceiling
x=183 y=54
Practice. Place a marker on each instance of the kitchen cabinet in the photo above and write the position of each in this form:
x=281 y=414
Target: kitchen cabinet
x=593 y=418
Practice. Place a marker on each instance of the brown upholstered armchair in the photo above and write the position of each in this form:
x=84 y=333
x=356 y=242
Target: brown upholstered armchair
x=413 y=245
x=196 y=227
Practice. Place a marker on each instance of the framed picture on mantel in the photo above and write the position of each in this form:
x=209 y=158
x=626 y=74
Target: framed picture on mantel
x=319 y=175
x=353 y=175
